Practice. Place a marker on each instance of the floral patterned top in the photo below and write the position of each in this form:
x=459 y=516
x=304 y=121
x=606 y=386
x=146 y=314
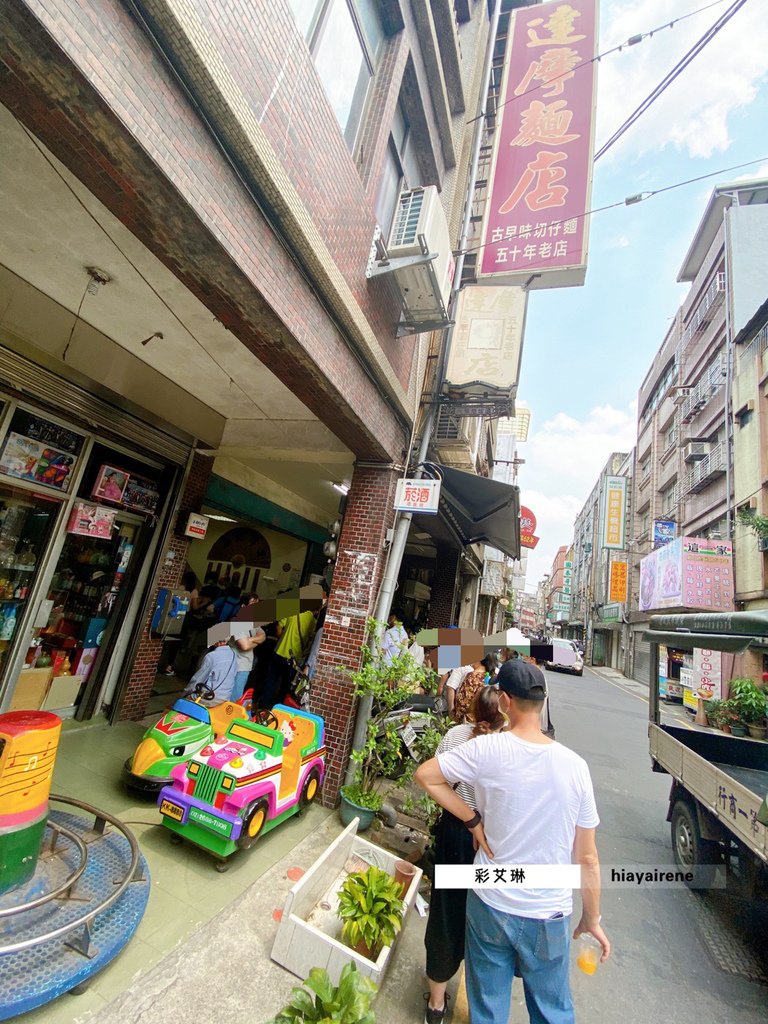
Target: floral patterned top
x=465 y=698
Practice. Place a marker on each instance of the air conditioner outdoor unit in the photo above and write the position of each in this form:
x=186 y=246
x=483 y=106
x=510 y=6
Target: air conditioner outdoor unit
x=420 y=222
x=416 y=590
x=681 y=395
x=696 y=450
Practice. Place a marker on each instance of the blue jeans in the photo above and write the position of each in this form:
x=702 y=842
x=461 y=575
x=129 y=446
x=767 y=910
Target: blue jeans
x=238 y=689
x=499 y=944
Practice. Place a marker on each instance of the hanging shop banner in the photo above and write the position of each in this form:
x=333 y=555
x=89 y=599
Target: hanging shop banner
x=91 y=520
x=617 y=587
x=527 y=528
x=614 y=503
x=541 y=174
x=417 y=496
x=664 y=530
x=567 y=576
x=689 y=572
x=487 y=342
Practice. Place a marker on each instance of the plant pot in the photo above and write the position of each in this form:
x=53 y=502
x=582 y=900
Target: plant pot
x=365 y=950
x=756 y=731
x=348 y=811
x=404 y=874
x=725 y=728
x=737 y=729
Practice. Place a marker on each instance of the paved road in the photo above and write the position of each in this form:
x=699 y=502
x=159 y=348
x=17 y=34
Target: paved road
x=661 y=970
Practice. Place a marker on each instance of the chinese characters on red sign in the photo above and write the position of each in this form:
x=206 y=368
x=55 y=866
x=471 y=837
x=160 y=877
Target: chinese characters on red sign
x=541 y=177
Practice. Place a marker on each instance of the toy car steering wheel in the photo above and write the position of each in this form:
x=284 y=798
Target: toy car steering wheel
x=263 y=716
x=205 y=692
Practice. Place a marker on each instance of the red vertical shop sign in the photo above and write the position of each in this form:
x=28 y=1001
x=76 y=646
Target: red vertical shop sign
x=541 y=176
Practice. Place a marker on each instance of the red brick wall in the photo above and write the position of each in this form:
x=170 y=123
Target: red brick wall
x=87 y=81
x=142 y=675
x=356 y=578
x=442 y=601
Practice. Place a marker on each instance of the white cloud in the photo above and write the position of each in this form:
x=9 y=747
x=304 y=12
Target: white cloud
x=692 y=115
x=563 y=460
x=618 y=242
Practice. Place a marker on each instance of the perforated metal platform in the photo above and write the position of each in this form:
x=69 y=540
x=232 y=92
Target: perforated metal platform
x=731 y=935
x=55 y=946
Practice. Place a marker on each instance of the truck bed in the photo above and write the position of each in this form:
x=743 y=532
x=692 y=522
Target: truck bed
x=727 y=775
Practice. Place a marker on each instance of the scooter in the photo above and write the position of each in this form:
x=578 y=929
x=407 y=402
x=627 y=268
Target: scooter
x=412 y=718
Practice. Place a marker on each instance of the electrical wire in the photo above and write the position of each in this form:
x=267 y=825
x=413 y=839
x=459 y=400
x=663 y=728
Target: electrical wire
x=670 y=77
x=632 y=41
x=640 y=197
x=76 y=321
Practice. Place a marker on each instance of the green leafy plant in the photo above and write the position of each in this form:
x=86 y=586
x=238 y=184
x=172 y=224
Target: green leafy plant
x=383 y=687
x=748 y=700
x=371 y=909
x=713 y=709
x=756 y=523
x=421 y=805
x=729 y=712
x=349 y=1002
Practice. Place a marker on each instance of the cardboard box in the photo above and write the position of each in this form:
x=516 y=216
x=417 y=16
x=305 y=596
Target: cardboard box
x=63 y=692
x=31 y=689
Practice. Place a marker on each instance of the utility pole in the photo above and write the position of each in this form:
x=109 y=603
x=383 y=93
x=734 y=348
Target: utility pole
x=403 y=523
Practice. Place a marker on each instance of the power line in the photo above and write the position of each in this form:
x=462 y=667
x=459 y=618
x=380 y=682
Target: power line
x=670 y=77
x=632 y=41
x=640 y=196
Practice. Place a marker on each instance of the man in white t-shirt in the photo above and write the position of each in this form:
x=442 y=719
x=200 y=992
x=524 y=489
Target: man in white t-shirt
x=395 y=639
x=535 y=805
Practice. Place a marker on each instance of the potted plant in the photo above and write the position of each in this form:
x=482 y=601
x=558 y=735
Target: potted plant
x=372 y=911
x=730 y=718
x=712 y=711
x=750 y=700
x=349 y=1002
x=383 y=686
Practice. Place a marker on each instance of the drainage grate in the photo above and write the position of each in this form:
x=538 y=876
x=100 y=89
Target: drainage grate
x=723 y=925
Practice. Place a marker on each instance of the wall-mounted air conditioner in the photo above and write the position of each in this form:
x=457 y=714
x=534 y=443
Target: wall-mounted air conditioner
x=681 y=394
x=696 y=450
x=420 y=224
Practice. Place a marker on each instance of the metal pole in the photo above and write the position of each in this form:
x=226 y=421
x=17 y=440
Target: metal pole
x=403 y=524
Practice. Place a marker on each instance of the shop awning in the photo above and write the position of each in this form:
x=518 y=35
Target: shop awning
x=480 y=511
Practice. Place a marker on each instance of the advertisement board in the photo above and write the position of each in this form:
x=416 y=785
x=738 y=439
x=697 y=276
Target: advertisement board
x=664 y=530
x=487 y=340
x=689 y=572
x=534 y=227
x=617 y=586
x=527 y=528
x=417 y=496
x=614 y=512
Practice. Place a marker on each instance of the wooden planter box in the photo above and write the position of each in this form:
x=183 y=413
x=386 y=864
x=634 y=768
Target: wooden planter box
x=309 y=930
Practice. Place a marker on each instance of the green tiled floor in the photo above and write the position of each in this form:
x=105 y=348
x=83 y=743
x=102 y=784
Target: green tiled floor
x=186 y=890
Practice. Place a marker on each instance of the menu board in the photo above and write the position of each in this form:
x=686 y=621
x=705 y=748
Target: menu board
x=689 y=572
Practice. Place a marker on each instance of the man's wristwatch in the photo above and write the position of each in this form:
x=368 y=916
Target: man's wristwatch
x=474 y=821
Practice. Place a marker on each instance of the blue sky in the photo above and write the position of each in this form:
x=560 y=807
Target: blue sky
x=587 y=349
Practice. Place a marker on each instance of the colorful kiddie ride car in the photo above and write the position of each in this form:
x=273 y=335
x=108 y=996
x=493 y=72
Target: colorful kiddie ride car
x=183 y=730
x=245 y=782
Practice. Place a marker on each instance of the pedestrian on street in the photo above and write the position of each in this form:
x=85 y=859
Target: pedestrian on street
x=534 y=805
x=473 y=682
x=444 y=937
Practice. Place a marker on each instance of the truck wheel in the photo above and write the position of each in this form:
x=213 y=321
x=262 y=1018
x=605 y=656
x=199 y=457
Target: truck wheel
x=310 y=789
x=254 y=820
x=691 y=851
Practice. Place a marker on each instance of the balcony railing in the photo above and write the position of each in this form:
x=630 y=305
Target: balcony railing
x=705 y=310
x=706 y=386
x=710 y=466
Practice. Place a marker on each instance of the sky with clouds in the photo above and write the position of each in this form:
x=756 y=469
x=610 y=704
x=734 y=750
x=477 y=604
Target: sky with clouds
x=587 y=349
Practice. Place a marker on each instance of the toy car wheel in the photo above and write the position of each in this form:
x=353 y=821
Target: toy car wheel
x=254 y=820
x=310 y=789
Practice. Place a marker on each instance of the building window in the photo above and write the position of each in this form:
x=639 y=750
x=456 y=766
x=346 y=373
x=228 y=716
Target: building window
x=344 y=37
x=744 y=416
x=400 y=170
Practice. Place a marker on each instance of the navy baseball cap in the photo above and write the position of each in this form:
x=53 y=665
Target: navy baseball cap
x=519 y=678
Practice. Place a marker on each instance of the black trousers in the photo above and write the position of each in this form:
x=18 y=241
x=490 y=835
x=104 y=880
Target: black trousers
x=444 y=937
x=275 y=684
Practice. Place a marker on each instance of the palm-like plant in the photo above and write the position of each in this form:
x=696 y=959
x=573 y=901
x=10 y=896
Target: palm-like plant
x=349 y=1002
x=371 y=909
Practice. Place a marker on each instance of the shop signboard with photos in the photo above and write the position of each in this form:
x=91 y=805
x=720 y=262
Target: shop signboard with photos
x=664 y=531
x=689 y=572
x=534 y=229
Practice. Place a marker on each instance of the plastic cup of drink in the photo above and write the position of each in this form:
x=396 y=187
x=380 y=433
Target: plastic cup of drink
x=588 y=953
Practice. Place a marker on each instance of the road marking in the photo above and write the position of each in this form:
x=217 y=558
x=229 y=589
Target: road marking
x=644 y=700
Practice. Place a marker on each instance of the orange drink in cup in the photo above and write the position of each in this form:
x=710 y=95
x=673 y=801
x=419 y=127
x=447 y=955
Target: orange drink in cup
x=588 y=952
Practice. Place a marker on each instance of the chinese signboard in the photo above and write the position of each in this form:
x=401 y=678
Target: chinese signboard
x=614 y=499
x=664 y=530
x=567 y=576
x=487 y=342
x=417 y=496
x=610 y=613
x=541 y=176
x=688 y=573
x=196 y=526
x=617 y=587
x=527 y=528
x=702 y=676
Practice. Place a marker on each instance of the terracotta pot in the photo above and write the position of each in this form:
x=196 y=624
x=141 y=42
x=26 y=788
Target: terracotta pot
x=757 y=732
x=726 y=728
x=404 y=874
x=365 y=950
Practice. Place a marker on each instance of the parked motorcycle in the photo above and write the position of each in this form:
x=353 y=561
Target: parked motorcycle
x=411 y=719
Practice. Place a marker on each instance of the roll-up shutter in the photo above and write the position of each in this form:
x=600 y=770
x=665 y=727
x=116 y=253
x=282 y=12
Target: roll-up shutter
x=72 y=401
x=641 y=660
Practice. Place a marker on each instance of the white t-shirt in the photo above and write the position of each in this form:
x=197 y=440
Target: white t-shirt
x=531 y=796
x=393 y=643
x=244 y=658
